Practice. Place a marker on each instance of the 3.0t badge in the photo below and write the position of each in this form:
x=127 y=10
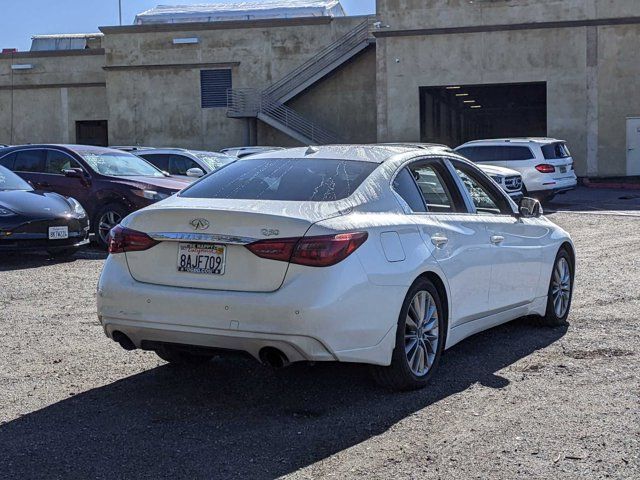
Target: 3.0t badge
x=199 y=224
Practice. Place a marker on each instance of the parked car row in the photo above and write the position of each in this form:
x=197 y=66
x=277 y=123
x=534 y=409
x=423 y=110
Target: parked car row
x=109 y=184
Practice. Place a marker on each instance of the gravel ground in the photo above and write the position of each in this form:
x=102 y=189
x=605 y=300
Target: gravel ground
x=511 y=402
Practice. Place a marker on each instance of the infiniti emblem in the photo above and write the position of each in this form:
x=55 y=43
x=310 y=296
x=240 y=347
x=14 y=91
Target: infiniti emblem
x=199 y=224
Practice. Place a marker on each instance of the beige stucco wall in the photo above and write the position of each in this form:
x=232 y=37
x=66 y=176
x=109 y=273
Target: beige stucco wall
x=42 y=104
x=403 y=14
x=590 y=71
x=153 y=87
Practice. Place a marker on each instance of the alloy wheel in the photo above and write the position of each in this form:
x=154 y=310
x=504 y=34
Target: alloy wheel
x=421 y=333
x=107 y=221
x=561 y=287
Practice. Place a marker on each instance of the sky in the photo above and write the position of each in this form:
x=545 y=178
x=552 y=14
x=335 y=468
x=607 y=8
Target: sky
x=19 y=19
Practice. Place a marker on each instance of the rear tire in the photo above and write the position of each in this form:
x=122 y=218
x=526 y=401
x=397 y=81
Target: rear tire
x=176 y=356
x=419 y=340
x=560 y=291
x=107 y=217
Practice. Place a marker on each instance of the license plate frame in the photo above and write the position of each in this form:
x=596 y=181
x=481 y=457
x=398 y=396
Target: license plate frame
x=201 y=258
x=58 y=233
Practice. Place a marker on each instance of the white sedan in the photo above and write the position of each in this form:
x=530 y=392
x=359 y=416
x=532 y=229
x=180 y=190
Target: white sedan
x=385 y=255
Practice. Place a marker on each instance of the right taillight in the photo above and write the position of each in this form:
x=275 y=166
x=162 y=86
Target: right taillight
x=319 y=251
x=545 y=168
x=122 y=239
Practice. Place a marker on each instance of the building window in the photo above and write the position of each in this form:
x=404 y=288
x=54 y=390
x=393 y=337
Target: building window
x=213 y=87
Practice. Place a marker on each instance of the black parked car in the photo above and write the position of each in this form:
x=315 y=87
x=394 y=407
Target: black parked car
x=31 y=220
x=108 y=183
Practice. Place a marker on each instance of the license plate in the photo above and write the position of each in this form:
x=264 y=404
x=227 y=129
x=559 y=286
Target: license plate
x=202 y=258
x=58 y=233
x=563 y=169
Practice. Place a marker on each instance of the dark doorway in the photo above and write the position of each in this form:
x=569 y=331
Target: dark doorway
x=455 y=114
x=92 y=132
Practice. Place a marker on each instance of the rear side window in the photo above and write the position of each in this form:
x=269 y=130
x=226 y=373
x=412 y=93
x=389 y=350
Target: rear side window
x=30 y=161
x=497 y=153
x=8 y=160
x=554 y=151
x=289 y=179
x=405 y=186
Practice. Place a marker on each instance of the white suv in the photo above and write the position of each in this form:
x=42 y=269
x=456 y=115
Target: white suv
x=545 y=164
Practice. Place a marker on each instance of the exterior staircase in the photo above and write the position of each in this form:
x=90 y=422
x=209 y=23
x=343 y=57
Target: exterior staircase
x=269 y=105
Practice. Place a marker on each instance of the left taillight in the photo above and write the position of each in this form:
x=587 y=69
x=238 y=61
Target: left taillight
x=318 y=251
x=122 y=239
x=545 y=168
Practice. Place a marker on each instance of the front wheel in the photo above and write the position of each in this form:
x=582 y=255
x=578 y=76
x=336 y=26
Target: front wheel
x=107 y=217
x=419 y=340
x=560 y=291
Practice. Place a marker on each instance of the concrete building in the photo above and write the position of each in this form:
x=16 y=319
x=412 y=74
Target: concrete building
x=427 y=70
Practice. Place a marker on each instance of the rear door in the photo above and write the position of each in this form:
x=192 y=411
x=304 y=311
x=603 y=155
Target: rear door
x=515 y=248
x=457 y=238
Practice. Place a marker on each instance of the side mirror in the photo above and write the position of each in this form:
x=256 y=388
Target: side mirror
x=530 y=208
x=195 y=172
x=73 y=172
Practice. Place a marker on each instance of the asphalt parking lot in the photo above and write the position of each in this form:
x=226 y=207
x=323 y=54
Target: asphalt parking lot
x=514 y=401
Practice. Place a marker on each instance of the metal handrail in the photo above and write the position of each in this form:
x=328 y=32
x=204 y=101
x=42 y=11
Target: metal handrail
x=249 y=102
x=296 y=122
x=326 y=56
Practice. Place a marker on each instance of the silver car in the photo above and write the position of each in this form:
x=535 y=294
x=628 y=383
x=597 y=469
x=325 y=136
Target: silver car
x=184 y=163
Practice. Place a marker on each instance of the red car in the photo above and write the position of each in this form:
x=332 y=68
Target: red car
x=108 y=183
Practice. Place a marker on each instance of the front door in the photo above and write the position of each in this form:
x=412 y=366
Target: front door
x=633 y=146
x=78 y=188
x=515 y=247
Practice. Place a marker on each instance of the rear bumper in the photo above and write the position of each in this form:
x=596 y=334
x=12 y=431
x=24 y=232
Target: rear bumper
x=325 y=314
x=553 y=186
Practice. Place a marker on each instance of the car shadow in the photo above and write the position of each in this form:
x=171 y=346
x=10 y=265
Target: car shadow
x=13 y=261
x=236 y=419
x=594 y=200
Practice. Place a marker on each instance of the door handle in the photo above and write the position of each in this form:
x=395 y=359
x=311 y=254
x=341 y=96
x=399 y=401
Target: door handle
x=439 y=240
x=43 y=184
x=497 y=239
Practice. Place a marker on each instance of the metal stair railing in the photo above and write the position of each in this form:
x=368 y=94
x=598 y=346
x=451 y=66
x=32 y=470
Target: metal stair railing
x=243 y=102
x=292 y=120
x=327 y=56
x=251 y=103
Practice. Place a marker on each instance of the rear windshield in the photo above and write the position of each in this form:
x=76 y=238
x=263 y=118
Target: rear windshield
x=497 y=153
x=555 y=150
x=292 y=179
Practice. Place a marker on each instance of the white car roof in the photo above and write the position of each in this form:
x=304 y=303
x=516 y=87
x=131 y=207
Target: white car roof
x=515 y=140
x=366 y=153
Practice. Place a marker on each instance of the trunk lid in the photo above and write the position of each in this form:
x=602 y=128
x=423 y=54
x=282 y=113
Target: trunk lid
x=176 y=222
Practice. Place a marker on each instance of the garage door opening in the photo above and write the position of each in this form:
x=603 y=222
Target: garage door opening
x=454 y=114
